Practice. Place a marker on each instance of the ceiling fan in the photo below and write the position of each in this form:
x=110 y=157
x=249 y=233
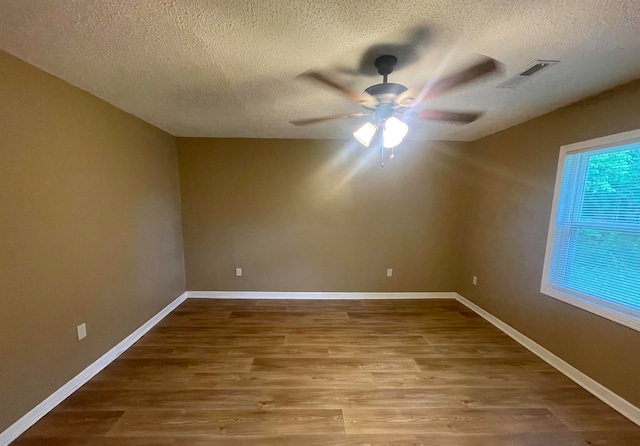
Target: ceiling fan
x=390 y=105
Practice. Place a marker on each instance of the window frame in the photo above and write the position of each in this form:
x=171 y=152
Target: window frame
x=616 y=313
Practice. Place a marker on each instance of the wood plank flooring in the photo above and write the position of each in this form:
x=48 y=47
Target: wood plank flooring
x=320 y=373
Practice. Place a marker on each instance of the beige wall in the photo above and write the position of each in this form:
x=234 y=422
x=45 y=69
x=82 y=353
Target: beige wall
x=301 y=215
x=511 y=182
x=89 y=231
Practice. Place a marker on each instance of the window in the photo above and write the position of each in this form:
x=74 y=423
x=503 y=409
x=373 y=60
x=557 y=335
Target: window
x=593 y=250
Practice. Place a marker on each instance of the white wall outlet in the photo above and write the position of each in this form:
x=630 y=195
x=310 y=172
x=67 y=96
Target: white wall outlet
x=389 y=272
x=238 y=272
x=475 y=280
x=82 y=331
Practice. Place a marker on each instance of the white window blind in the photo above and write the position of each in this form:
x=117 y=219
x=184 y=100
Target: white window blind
x=593 y=257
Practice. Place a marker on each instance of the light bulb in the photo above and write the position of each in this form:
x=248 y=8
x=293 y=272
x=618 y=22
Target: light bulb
x=394 y=132
x=365 y=133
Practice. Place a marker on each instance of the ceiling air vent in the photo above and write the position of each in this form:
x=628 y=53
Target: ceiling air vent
x=530 y=71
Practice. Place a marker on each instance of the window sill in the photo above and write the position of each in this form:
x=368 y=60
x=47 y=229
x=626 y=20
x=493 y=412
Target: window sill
x=628 y=318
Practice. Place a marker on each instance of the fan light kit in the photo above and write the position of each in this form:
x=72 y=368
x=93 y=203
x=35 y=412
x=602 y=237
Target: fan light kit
x=393 y=132
x=391 y=105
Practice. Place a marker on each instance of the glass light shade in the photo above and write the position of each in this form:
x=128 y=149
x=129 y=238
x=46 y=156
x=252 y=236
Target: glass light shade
x=365 y=133
x=394 y=132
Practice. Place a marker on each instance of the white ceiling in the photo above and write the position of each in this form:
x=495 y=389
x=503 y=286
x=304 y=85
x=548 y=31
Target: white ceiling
x=227 y=68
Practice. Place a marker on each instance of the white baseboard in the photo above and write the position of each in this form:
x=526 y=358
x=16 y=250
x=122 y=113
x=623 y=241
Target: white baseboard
x=31 y=417
x=304 y=295
x=595 y=388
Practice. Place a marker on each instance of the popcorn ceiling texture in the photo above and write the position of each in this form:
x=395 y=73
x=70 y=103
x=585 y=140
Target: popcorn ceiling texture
x=227 y=68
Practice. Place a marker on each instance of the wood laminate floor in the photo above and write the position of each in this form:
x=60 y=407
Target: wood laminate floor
x=338 y=373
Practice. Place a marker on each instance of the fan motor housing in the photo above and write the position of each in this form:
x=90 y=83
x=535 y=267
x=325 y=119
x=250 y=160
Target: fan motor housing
x=385 y=93
x=388 y=88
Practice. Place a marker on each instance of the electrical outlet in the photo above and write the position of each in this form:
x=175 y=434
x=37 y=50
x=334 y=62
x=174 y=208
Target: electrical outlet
x=238 y=272
x=82 y=331
x=475 y=280
x=389 y=272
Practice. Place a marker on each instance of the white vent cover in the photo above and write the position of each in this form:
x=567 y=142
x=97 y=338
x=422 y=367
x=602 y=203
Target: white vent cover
x=527 y=73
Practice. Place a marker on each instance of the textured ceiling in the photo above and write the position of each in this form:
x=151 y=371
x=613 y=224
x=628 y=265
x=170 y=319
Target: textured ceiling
x=227 y=68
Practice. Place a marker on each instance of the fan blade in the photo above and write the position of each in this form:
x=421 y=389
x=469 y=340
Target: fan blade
x=454 y=117
x=430 y=91
x=302 y=122
x=407 y=98
x=326 y=80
